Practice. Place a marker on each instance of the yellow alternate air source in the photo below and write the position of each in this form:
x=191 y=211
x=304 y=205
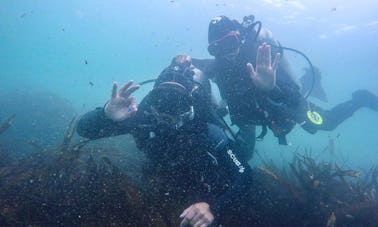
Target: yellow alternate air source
x=314 y=117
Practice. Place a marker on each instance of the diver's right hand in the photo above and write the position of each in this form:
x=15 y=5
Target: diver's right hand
x=121 y=105
x=264 y=76
x=197 y=215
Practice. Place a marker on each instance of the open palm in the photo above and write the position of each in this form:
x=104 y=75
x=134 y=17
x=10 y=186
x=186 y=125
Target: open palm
x=264 y=77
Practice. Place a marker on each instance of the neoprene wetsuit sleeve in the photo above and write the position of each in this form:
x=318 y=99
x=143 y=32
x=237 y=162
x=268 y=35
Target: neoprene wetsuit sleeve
x=95 y=124
x=239 y=172
x=287 y=90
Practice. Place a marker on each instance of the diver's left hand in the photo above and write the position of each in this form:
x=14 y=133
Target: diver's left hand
x=264 y=77
x=197 y=215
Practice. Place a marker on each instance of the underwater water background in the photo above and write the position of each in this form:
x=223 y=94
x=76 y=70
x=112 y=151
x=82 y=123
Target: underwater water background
x=58 y=59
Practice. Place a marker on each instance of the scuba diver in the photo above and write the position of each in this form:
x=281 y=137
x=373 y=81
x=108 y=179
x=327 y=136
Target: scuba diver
x=260 y=90
x=192 y=161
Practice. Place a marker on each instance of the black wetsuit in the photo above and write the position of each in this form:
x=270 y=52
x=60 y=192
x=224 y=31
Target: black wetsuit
x=197 y=164
x=279 y=109
x=195 y=161
x=194 y=164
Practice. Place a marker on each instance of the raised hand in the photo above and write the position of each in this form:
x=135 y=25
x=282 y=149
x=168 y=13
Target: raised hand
x=264 y=77
x=121 y=105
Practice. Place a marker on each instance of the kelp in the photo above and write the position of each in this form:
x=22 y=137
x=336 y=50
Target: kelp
x=59 y=187
x=335 y=196
x=72 y=185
